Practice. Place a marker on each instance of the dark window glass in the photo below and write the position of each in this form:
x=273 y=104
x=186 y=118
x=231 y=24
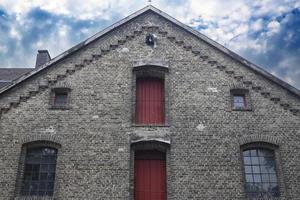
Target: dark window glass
x=260 y=173
x=60 y=99
x=239 y=101
x=39 y=173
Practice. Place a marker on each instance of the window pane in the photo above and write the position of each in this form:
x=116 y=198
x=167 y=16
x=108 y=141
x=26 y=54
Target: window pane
x=39 y=173
x=246 y=153
x=255 y=169
x=265 y=178
x=248 y=169
x=273 y=178
x=254 y=160
x=261 y=178
x=60 y=99
x=249 y=178
x=239 y=101
x=247 y=160
x=257 y=178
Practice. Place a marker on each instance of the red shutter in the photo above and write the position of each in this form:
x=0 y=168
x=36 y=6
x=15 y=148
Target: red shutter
x=150 y=101
x=150 y=176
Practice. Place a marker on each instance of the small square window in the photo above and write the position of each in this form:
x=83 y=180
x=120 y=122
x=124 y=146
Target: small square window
x=240 y=99
x=60 y=98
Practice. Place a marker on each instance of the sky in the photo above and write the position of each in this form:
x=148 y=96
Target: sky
x=265 y=32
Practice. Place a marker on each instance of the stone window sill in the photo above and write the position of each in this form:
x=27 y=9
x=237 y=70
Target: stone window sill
x=241 y=109
x=59 y=107
x=150 y=125
x=34 y=198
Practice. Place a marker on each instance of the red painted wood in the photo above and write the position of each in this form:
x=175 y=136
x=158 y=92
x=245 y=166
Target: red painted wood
x=150 y=101
x=150 y=177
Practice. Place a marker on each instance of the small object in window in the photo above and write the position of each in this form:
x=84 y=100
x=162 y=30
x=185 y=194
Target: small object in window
x=151 y=39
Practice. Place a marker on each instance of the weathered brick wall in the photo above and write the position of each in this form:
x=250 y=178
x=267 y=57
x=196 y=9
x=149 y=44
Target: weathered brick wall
x=95 y=133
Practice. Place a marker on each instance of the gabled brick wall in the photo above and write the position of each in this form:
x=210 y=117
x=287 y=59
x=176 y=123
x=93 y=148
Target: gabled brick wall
x=95 y=134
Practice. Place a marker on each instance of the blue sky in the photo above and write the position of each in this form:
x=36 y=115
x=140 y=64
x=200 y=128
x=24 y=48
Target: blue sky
x=266 y=32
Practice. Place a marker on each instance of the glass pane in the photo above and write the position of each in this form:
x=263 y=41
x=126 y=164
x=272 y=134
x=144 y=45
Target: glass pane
x=246 y=153
x=42 y=186
x=239 y=101
x=257 y=178
x=44 y=176
x=273 y=178
x=248 y=169
x=247 y=161
x=266 y=187
x=265 y=178
x=60 y=99
x=44 y=168
x=262 y=160
x=35 y=176
x=271 y=169
x=52 y=168
x=51 y=176
x=249 y=178
x=253 y=152
x=263 y=169
x=254 y=160
x=255 y=169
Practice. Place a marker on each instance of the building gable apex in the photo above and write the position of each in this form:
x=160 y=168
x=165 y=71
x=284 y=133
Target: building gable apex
x=150 y=8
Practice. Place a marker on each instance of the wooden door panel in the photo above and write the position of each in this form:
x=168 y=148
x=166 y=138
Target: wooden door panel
x=150 y=179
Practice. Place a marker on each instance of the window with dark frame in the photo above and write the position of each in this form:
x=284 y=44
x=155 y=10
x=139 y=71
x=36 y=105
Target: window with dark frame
x=240 y=99
x=260 y=173
x=60 y=98
x=150 y=101
x=39 y=172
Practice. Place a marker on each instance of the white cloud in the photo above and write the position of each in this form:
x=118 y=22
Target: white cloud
x=88 y=9
x=257 y=25
x=15 y=34
x=274 y=27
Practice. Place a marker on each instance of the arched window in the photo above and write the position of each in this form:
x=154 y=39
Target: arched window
x=260 y=173
x=39 y=171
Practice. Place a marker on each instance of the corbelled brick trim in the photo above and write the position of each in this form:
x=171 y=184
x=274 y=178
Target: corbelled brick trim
x=61 y=85
x=202 y=55
x=259 y=138
x=231 y=73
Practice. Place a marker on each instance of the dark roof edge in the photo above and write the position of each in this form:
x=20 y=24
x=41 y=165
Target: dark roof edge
x=168 y=17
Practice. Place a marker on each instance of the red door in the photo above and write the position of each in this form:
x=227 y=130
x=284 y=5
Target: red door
x=150 y=101
x=150 y=175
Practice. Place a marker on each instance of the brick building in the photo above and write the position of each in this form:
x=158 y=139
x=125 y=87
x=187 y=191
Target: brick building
x=150 y=109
